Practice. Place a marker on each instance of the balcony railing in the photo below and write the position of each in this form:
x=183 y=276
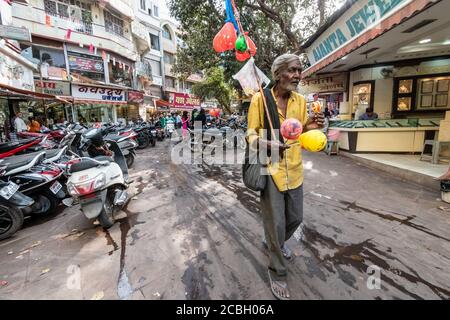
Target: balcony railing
x=79 y=26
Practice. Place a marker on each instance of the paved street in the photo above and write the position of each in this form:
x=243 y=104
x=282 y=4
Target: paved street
x=194 y=232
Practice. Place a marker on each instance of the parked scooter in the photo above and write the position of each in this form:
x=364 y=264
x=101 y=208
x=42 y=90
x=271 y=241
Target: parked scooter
x=126 y=143
x=170 y=128
x=36 y=179
x=13 y=203
x=100 y=183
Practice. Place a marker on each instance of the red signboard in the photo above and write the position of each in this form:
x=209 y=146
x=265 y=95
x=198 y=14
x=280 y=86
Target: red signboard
x=184 y=100
x=135 y=97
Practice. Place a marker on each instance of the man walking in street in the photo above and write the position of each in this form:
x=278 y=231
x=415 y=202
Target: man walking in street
x=282 y=198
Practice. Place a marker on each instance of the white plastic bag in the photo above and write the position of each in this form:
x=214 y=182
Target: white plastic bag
x=247 y=78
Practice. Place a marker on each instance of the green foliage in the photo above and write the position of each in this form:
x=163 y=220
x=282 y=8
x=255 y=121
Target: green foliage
x=214 y=87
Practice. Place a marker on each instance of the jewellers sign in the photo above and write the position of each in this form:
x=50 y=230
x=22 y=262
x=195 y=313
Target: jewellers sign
x=323 y=84
x=362 y=16
x=98 y=93
x=57 y=88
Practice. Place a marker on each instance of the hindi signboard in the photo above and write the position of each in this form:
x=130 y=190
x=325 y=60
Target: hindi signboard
x=184 y=100
x=98 y=93
x=57 y=88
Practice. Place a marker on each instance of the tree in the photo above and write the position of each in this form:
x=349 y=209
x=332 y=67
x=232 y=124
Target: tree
x=276 y=26
x=214 y=86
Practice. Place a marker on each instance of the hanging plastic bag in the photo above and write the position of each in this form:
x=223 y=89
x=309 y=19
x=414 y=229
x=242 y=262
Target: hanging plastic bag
x=247 y=78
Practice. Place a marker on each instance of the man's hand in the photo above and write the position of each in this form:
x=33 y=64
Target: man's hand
x=316 y=122
x=269 y=145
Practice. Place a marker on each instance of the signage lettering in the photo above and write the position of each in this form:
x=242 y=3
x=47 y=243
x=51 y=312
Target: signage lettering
x=97 y=93
x=373 y=11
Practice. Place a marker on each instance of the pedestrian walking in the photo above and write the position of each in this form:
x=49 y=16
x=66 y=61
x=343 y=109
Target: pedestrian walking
x=282 y=198
x=185 y=122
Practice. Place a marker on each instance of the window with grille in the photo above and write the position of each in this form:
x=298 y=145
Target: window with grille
x=78 y=12
x=166 y=33
x=113 y=24
x=170 y=82
x=154 y=42
x=143 y=6
x=169 y=58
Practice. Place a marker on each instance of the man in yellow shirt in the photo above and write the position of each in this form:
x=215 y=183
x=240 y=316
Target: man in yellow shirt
x=282 y=199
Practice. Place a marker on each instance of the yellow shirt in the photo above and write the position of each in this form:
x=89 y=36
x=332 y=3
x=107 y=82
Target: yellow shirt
x=288 y=173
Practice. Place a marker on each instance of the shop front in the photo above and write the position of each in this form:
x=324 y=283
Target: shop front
x=327 y=89
x=397 y=60
x=58 y=111
x=98 y=103
x=16 y=85
x=183 y=102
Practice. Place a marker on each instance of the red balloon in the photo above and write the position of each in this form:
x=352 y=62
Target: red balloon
x=225 y=39
x=242 y=56
x=251 y=45
x=214 y=113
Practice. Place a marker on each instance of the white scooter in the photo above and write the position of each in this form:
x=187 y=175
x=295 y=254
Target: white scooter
x=99 y=184
x=170 y=128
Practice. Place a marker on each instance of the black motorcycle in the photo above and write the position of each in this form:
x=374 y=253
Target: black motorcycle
x=38 y=180
x=13 y=204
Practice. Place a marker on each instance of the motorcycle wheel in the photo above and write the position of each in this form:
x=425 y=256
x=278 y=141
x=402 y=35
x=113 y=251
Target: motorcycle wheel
x=130 y=160
x=11 y=220
x=143 y=141
x=49 y=203
x=106 y=217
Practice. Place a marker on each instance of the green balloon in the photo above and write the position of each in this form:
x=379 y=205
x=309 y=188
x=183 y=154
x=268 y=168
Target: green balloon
x=241 y=45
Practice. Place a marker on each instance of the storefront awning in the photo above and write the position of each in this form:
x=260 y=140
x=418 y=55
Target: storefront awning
x=163 y=103
x=406 y=12
x=11 y=91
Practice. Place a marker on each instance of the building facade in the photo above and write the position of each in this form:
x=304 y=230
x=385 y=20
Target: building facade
x=86 y=52
x=389 y=56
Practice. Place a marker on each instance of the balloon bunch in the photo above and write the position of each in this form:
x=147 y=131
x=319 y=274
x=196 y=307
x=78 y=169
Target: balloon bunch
x=233 y=37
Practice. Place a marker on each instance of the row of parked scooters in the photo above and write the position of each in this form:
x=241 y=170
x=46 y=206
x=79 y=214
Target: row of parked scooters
x=73 y=165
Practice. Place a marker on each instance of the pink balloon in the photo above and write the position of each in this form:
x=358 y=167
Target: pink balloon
x=291 y=129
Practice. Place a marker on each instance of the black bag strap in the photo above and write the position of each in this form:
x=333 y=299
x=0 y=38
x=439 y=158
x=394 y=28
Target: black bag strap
x=273 y=110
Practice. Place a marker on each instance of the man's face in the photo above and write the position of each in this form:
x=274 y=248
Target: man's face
x=291 y=76
x=19 y=114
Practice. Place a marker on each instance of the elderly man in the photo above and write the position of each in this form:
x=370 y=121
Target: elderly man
x=282 y=198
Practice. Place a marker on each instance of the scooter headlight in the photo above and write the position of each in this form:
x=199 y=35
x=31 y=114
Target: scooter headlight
x=87 y=187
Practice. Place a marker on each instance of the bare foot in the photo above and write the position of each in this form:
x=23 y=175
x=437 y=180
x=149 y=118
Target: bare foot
x=445 y=176
x=279 y=289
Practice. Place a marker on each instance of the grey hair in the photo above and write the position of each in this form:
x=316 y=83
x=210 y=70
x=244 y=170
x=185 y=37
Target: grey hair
x=281 y=63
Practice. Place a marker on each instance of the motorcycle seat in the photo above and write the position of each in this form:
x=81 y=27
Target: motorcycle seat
x=15 y=162
x=113 y=137
x=8 y=146
x=88 y=164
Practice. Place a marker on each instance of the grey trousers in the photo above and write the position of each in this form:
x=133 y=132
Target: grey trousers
x=282 y=214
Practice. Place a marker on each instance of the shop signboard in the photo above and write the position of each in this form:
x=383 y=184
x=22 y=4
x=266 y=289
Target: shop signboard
x=323 y=84
x=15 y=33
x=362 y=16
x=98 y=93
x=83 y=63
x=135 y=97
x=13 y=72
x=184 y=100
x=57 y=88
